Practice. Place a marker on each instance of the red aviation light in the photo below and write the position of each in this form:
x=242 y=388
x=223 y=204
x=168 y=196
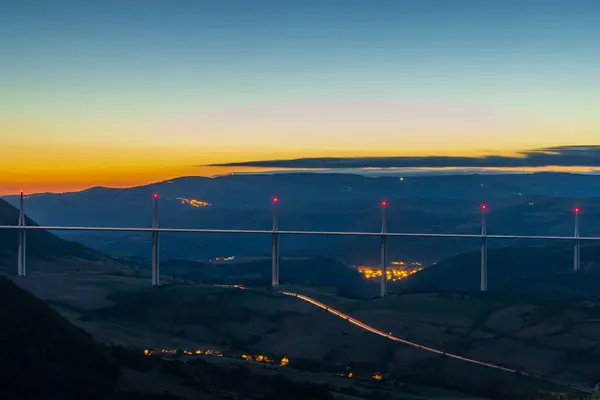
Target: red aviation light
x=384 y=203
x=275 y=200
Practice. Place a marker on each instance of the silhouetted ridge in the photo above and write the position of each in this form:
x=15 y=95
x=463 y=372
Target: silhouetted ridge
x=40 y=243
x=43 y=356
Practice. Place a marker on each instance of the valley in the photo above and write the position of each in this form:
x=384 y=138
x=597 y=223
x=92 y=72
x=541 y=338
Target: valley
x=328 y=321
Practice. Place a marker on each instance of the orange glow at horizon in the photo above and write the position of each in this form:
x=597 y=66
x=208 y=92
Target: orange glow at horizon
x=53 y=165
x=58 y=180
x=68 y=181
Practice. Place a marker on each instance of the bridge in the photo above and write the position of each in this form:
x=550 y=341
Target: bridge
x=275 y=233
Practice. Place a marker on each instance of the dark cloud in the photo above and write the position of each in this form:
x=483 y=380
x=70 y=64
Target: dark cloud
x=565 y=156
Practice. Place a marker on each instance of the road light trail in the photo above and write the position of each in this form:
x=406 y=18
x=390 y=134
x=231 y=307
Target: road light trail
x=397 y=339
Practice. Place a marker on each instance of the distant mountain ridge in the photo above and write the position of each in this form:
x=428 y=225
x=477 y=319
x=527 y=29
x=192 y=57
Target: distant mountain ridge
x=288 y=186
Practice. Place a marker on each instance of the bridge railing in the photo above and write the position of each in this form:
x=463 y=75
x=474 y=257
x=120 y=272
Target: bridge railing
x=275 y=232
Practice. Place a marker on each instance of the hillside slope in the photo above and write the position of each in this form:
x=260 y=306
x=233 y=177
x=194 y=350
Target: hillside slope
x=274 y=325
x=317 y=271
x=40 y=243
x=548 y=337
x=540 y=269
x=43 y=356
x=50 y=253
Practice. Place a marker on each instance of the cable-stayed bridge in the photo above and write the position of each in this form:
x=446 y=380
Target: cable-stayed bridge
x=275 y=233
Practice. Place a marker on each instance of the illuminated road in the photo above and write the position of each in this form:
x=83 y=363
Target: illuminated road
x=394 y=338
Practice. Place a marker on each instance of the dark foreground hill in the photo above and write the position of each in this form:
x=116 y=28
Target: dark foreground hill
x=43 y=356
x=539 y=269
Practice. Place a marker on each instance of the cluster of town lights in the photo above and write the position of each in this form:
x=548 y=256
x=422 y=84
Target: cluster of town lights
x=216 y=353
x=248 y=357
x=392 y=273
x=194 y=202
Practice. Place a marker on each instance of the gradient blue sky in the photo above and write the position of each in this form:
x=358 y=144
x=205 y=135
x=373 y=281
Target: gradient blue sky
x=126 y=91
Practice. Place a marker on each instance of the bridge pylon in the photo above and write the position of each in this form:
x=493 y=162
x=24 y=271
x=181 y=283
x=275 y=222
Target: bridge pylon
x=155 y=248
x=577 y=248
x=484 y=251
x=22 y=252
x=384 y=252
x=275 y=248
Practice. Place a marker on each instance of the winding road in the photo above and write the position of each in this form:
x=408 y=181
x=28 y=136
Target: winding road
x=397 y=339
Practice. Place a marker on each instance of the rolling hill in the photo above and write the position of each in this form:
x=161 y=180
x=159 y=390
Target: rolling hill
x=313 y=271
x=40 y=243
x=47 y=251
x=550 y=337
x=540 y=269
x=261 y=322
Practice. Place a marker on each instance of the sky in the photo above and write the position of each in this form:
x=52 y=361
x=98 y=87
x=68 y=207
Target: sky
x=125 y=92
